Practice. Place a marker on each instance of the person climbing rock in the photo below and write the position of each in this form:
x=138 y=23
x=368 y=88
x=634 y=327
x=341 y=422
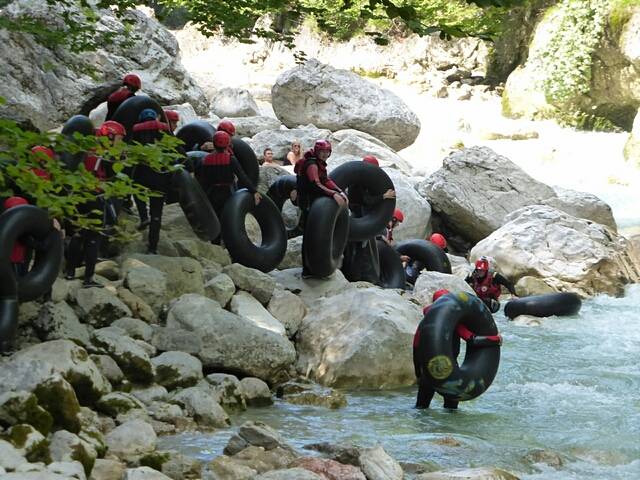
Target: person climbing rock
x=357 y=263
x=218 y=174
x=487 y=284
x=414 y=267
x=425 y=391
x=173 y=118
x=387 y=235
x=149 y=130
x=84 y=244
x=313 y=182
x=131 y=83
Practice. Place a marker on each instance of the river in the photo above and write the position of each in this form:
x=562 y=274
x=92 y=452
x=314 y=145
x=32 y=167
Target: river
x=571 y=385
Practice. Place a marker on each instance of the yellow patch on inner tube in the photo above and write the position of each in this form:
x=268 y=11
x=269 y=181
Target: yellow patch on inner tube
x=440 y=367
x=463 y=296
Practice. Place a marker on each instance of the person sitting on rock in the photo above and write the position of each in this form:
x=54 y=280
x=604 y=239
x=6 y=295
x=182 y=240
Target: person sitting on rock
x=268 y=157
x=218 y=172
x=149 y=130
x=173 y=118
x=414 y=267
x=357 y=264
x=131 y=83
x=487 y=284
x=295 y=154
x=425 y=391
x=313 y=182
x=84 y=245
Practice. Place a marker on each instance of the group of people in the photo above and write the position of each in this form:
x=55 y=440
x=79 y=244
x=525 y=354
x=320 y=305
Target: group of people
x=293 y=156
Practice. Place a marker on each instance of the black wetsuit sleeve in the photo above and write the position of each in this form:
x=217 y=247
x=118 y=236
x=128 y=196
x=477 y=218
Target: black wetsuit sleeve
x=500 y=280
x=369 y=199
x=242 y=177
x=469 y=279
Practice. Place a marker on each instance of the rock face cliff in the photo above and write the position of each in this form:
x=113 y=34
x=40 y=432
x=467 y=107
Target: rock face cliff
x=43 y=86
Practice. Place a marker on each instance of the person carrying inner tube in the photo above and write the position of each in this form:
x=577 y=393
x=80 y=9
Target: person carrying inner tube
x=173 y=118
x=218 y=171
x=149 y=130
x=425 y=391
x=414 y=267
x=313 y=182
x=85 y=244
x=387 y=235
x=358 y=264
x=487 y=284
x=131 y=83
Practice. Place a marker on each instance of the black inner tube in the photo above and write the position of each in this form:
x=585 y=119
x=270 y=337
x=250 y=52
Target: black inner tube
x=266 y=256
x=248 y=161
x=431 y=256
x=128 y=112
x=547 y=305
x=196 y=206
x=376 y=182
x=325 y=236
x=195 y=133
x=76 y=124
x=15 y=223
x=475 y=375
x=280 y=191
x=391 y=271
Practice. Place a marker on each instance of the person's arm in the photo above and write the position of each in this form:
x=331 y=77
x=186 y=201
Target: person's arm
x=370 y=199
x=242 y=176
x=464 y=333
x=500 y=280
x=313 y=176
x=417 y=363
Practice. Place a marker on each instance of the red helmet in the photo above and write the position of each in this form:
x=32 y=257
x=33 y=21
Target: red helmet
x=321 y=145
x=111 y=128
x=227 y=126
x=14 y=202
x=221 y=139
x=439 y=240
x=47 y=151
x=172 y=115
x=132 y=80
x=438 y=293
x=482 y=264
x=371 y=160
x=398 y=215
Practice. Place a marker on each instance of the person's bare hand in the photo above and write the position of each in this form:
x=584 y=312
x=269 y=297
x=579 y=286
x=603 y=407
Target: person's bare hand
x=257 y=197
x=404 y=258
x=207 y=146
x=340 y=200
x=391 y=193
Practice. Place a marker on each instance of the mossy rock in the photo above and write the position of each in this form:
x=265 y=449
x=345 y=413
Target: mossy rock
x=155 y=460
x=26 y=438
x=116 y=403
x=22 y=407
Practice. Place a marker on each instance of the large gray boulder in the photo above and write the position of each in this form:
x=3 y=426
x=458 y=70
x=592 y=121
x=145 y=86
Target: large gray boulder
x=70 y=361
x=230 y=342
x=183 y=274
x=58 y=321
x=566 y=253
x=234 y=102
x=311 y=289
x=131 y=439
x=252 y=125
x=416 y=210
x=355 y=147
x=476 y=188
x=337 y=99
x=341 y=344
x=60 y=84
x=246 y=306
x=99 y=307
x=177 y=369
x=130 y=356
x=201 y=404
x=430 y=282
x=582 y=205
x=280 y=140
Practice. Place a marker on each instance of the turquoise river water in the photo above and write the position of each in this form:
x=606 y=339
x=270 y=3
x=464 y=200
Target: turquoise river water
x=571 y=386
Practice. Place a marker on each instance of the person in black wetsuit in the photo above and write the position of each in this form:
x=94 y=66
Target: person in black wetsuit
x=84 y=244
x=149 y=130
x=426 y=391
x=488 y=284
x=218 y=174
x=414 y=267
x=131 y=83
x=313 y=182
x=358 y=264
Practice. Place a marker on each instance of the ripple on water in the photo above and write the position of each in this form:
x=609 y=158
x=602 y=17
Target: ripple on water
x=571 y=385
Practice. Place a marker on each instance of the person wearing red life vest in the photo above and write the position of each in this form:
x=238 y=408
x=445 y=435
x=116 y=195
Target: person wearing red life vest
x=146 y=131
x=426 y=392
x=173 y=118
x=19 y=252
x=84 y=244
x=218 y=173
x=488 y=284
x=131 y=83
x=313 y=182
